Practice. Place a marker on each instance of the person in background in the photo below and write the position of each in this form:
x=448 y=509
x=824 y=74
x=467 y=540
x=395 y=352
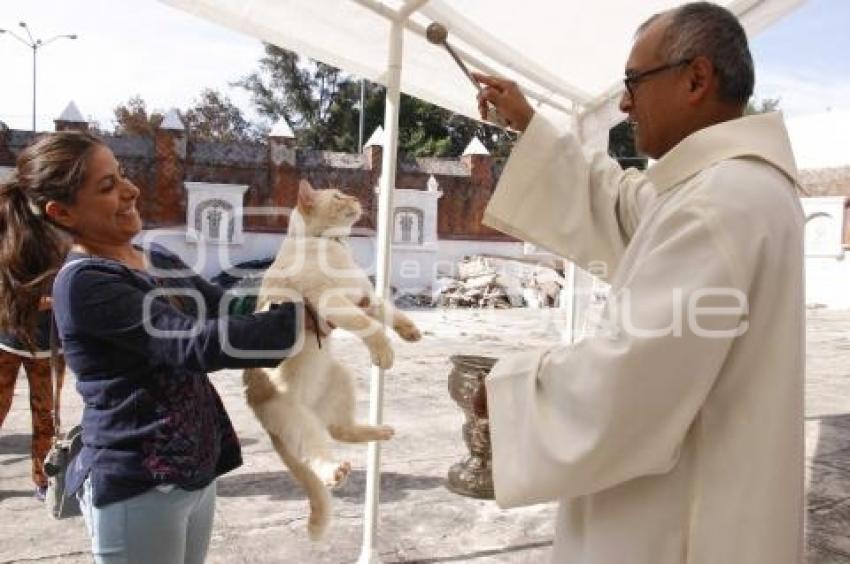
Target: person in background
x=35 y=359
x=675 y=433
x=140 y=332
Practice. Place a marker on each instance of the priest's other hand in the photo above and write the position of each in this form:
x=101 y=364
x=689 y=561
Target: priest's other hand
x=506 y=97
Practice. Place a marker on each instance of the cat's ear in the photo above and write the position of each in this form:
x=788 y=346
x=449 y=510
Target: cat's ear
x=306 y=196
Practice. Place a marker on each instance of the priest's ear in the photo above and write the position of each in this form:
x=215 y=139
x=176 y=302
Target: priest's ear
x=306 y=196
x=702 y=79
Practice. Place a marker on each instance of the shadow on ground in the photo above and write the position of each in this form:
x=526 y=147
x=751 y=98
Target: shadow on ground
x=280 y=486
x=7 y=494
x=828 y=497
x=15 y=443
x=469 y=556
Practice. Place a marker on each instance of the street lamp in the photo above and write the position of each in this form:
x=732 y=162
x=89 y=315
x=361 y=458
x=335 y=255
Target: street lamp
x=35 y=45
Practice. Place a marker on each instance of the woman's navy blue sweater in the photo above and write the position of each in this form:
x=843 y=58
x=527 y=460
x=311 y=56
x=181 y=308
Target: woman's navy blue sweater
x=151 y=415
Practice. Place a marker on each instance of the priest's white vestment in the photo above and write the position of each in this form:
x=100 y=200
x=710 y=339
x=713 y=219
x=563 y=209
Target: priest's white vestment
x=675 y=435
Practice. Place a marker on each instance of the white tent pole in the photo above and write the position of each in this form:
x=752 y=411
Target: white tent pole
x=368 y=552
x=378 y=8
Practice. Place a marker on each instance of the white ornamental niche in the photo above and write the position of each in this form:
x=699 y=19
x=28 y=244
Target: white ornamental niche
x=824 y=226
x=415 y=216
x=214 y=213
x=414 y=236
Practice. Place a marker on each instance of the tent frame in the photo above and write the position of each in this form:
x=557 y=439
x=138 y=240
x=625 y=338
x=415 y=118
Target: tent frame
x=591 y=115
x=588 y=114
x=368 y=552
x=399 y=22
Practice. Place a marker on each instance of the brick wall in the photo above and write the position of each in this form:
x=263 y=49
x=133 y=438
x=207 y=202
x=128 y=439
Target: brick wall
x=160 y=165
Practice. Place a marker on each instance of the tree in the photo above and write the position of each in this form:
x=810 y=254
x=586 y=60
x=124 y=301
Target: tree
x=621 y=146
x=132 y=118
x=321 y=103
x=312 y=98
x=761 y=106
x=214 y=117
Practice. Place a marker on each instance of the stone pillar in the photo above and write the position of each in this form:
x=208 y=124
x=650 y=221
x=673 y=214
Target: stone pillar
x=283 y=177
x=373 y=150
x=71 y=119
x=170 y=145
x=478 y=161
x=846 y=238
x=7 y=158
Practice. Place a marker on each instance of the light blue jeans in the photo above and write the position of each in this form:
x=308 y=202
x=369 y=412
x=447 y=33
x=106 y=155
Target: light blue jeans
x=164 y=525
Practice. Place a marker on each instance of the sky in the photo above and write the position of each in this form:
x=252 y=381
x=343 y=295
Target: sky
x=129 y=47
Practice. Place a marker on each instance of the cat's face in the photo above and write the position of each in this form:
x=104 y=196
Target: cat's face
x=324 y=210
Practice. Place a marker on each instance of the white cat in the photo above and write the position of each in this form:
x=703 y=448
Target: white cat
x=309 y=398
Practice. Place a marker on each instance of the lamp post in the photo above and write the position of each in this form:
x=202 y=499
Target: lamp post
x=35 y=45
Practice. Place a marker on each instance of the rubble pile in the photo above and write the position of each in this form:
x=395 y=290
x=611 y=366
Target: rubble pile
x=495 y=282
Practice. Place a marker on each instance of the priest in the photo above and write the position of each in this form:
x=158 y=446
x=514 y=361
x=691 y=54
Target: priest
x=675 y=433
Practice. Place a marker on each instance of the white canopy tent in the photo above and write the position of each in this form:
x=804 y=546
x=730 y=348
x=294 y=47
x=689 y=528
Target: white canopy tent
x=566 y=55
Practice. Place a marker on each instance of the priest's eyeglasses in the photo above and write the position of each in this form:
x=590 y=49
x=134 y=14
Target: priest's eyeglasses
x=633 y=79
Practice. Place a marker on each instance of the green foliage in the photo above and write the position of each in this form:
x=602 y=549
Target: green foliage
x=132 y=118
x=212 y=117
x=314 y=98
x=621 y=146
x=321 y=104
x=215 y=117
x=761 y=106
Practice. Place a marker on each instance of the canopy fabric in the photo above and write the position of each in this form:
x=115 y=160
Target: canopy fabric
x=565 y=54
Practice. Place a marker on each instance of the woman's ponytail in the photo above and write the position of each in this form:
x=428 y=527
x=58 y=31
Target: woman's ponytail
x=32 y=249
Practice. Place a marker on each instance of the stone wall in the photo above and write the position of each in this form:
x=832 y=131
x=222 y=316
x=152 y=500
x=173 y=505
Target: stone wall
x=160 y=165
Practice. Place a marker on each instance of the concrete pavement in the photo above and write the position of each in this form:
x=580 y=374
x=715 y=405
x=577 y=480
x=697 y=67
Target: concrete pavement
x=260 y=515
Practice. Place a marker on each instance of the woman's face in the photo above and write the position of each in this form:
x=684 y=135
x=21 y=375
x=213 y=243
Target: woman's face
x=104 y=212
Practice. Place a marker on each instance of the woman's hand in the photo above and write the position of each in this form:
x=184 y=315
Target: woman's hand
x=507 y=98
x=45 y=303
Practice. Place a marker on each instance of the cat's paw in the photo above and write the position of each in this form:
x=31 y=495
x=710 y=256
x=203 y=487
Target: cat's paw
x=382 y=353
x=408 y=331
x=337 y=475
x=384 y=432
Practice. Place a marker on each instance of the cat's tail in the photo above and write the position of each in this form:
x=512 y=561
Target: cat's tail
x=317 y=492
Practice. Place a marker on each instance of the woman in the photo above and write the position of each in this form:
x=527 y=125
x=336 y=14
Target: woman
x=140 y=332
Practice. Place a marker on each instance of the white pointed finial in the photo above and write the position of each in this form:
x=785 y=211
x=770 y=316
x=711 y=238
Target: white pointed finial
x=377 y=138
x=432 y=184
x=172 y=121
x=72 y=114
x=475 y=147
x=282 y=129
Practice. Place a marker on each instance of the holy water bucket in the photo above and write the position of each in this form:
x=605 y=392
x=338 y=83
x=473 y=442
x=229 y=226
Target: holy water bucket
x=473 y=476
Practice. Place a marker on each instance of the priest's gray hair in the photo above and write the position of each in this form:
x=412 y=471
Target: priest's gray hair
x=703 y=28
